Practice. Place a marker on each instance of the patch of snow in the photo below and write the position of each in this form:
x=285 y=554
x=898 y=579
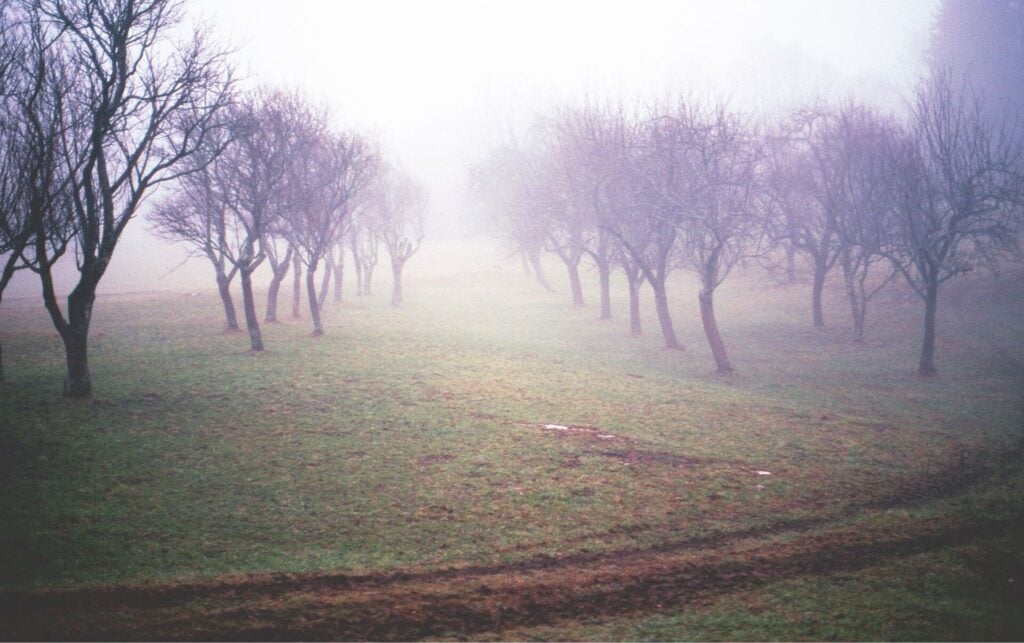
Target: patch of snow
x=556 y=427
x=763 y=473
x=605 y=436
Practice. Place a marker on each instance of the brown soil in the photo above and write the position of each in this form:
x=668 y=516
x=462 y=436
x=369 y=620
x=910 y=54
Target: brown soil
x=459 y=602
x=479 y=601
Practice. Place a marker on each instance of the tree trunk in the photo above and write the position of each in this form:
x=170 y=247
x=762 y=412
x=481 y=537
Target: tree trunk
x=279 y=272
x=75 y=336
x=358 y=264
x=296 y=287
x=368 y=278
x=790 y=264
x=926 y=367
x=325 y=283
x=78 y=382
x=635 y=328
x=74 y=331
x=252 y=324
x=857 y=304
x=816 y=293
x=604 y=271
x=635 y=279
x=339 y=271
x=396 y=289
x=314 y=308
x=538 y=271
x=707 y=317
x=668 y=332
x=224 y=288
x=574 y=282
x=861 y=315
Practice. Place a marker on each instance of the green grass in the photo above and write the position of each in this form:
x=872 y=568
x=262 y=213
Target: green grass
x=414 y=437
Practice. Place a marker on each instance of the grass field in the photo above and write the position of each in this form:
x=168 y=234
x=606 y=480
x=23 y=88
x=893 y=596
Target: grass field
x=397 y=478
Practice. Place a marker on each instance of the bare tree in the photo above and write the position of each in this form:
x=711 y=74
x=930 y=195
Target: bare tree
x=646 y=224
x=258 y=184
x=860 y=167
x=296 y=286
x=279 y=250
x=195 y=213
x=586 y=138
x=18 y=137
x=399 y=208
x=957 y=193
x=364 y=243
x=150 y=105
x=501 y=183
x=804 y=214
x=337 y=260
x=40 y=123
x=335 y=170
x=566 y=221
x=609 y=138
x=715 y=194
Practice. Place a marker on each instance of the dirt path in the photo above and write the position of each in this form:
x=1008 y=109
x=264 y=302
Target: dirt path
x=469 y=601
x=484 y=601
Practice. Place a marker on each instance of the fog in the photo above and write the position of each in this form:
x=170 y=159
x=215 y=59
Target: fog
x=438 y=82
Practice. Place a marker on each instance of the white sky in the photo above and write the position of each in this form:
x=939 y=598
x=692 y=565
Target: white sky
x=439 y=80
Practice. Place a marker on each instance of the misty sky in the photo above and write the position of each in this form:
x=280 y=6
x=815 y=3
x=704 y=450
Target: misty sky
x=440 y=81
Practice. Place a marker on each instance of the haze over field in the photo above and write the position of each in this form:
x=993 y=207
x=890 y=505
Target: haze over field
x=440 y=82
x=518 y=321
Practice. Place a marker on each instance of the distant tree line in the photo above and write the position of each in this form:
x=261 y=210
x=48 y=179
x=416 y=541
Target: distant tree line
x=101 y=105
x=695 y=185
x=287 y=189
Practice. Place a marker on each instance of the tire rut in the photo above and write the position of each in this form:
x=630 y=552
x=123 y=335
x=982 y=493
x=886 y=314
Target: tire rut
x=478 y=599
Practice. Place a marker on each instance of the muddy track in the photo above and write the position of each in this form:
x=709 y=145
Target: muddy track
x=472 y=601
x=462 y=602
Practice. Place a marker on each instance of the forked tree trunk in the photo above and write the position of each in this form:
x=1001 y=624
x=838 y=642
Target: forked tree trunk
x=926 y=367
x=817 y=288
x=252 y=323
x=74 y=332
x=224 y=288
x=668 y=332
x=707 y=317
x=604 y=271
x=279 y=272
x=314 y=308
x=571 y=259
